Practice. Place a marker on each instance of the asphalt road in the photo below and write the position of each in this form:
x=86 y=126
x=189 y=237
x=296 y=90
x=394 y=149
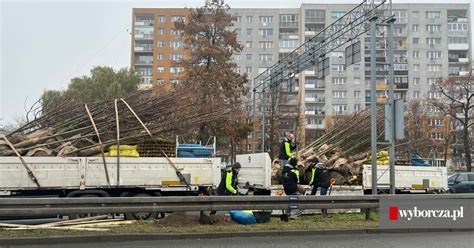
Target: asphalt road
x=418 y=240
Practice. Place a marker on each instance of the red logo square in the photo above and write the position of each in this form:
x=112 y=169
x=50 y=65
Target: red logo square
x=393 y=213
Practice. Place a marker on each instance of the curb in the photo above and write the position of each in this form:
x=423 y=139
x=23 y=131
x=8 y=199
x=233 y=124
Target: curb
x=175 y=236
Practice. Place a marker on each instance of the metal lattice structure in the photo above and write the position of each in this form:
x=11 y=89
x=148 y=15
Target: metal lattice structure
x=344 y=31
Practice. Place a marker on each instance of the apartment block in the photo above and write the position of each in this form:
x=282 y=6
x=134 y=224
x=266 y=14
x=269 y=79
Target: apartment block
x=431 y=41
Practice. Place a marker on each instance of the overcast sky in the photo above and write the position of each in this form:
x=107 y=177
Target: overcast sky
x=46 y=43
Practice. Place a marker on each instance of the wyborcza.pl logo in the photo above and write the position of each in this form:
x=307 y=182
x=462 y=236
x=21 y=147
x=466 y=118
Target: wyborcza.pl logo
x=416 y=213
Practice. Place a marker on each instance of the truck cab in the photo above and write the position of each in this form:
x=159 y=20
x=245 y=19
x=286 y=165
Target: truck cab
x=462 y=182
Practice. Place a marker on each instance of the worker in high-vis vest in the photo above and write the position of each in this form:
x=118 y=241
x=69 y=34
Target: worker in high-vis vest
x=229 y=182
x=228 y=185
x=291 y=179
x=320 y=179
x=287 y=147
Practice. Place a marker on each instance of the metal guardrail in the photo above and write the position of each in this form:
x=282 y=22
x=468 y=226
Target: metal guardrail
x=99 y=205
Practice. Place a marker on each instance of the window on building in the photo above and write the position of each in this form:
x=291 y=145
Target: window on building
x=415 y=40
x=457 y=26
x=433 y=54
x=415 y=14
x=160 y=69
x=356 y=80
x=262 y=70
x=161 y=31
x=265 y=44
x=416 y=94
x=237 y=57
x=265 y=32
x=416 y=54
x=177 y=18
x=161 y=18
x=356 y=107
x=288 y=18
x=160 y=81
x=248 y=69
x=249 y=18
x=338 y=67
x=248 y=56
x=160 y=56
x=416 y=67
x=337 y=14
x=400 y=16
x=175 y=31
x=176 y=56
x=398 y=31
x=415 y=27
x=265 y=57
x=288 y=43
x=339 y=80
x=433 y=14
x=249 y=31
x=457 y=40
x=433 y=28
x=416 y=81
x=239 y=19
x=248 y=44
x=339 y=108
x=356 y=94
x=160 y=44
x=339 y=94
x=434 y=67
x=176 y=70
x=431 y=81
x=356 y=67
x=176 y=44
x=266 y=19
x=314 y=15
x=433 y=41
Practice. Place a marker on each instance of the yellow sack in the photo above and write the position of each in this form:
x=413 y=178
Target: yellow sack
x=123 y=151
x=123 y=148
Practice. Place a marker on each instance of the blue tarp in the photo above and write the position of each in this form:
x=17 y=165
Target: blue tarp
x=418 y=161
x=194 y=151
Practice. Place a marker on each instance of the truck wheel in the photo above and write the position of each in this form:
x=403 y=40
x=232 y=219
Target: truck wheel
x=141 y=216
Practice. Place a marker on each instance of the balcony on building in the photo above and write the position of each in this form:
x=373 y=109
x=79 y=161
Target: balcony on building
x=457 y=15
x=319 y=99
x=143 y=46
x=458 y=57
x=401 y=86
x=142 y=20
x=458 y=70
x=315 y=126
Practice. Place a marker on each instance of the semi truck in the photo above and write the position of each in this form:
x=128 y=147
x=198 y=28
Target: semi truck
x=88 y=177
x=256 y=173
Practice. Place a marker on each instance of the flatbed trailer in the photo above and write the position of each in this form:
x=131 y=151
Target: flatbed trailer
x=256 y=172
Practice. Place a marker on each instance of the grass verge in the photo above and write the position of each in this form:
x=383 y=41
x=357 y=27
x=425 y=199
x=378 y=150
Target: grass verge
x=338 y=221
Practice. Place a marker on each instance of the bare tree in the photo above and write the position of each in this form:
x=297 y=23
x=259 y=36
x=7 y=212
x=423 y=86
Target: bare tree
x=456 y=99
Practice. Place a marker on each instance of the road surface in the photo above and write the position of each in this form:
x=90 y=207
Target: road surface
x=419 y=240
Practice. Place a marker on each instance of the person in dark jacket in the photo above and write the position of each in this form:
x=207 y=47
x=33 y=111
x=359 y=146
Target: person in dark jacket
x=291 y=179
x=228 y=184
x=229 y=181
x=320 y=179
x=287 y=147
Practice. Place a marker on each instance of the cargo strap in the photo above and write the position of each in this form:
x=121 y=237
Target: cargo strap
x=178 y=172
x=30 y=173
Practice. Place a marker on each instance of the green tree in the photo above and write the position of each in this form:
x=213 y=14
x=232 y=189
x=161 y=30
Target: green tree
x=209 y=72
x=103 y=83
